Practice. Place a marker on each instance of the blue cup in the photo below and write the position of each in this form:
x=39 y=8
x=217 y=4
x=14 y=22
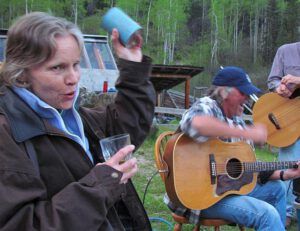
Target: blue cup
x=128 y=28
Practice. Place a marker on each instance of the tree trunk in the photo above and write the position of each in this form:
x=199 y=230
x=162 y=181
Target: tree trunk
x=165 y=50
x=255 y=35
x=236 y=30
x=26 y=7
x=75 y=10
x=148 y=19
x=215 y=35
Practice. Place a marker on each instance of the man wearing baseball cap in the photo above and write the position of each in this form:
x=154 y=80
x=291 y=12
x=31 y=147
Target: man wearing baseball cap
x=232 y=76
x=218 y=115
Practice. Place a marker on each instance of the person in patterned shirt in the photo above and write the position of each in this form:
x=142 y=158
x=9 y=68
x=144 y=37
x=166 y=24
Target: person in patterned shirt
x=219 y=115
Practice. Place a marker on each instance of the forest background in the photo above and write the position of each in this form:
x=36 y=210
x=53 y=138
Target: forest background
x=207 y=33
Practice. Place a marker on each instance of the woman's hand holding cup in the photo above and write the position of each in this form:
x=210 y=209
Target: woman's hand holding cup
x=117 y=151
x=128 y=168
x=133 y=53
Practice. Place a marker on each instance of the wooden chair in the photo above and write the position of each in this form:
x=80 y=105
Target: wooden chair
x=162 y=167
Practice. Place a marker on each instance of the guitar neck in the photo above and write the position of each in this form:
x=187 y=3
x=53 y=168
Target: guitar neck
x=268 y=166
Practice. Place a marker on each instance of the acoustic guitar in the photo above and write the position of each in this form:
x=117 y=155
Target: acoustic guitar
x=281 y=117
x=201 y=174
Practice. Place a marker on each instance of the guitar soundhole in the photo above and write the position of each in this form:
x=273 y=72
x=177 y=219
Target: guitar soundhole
x=234 y=168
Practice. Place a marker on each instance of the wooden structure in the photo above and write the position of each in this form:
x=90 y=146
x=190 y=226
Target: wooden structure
x=165 y=77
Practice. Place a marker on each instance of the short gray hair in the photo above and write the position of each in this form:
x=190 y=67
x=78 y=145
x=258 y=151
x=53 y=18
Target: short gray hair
x=217 y=93
x=31 y=41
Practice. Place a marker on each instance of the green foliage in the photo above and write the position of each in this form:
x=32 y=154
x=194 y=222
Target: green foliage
x=205 y=33
x=88 y=25
x=10 y=10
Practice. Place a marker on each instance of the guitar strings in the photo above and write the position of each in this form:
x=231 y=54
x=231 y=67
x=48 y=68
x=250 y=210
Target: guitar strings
x=293 y=107
x=289 y=111
x=235 y=168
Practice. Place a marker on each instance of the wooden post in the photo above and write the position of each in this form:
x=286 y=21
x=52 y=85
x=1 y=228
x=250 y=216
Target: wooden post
x=187 y=93
x=158 y=99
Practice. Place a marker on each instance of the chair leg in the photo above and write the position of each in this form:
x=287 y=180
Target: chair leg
x=197 y=228
x=217 y=228
x=242 y=228
x=177 y=227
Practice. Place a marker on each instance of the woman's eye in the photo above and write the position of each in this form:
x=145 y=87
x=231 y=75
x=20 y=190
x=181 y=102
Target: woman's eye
x=76 y=65
x=57 y=68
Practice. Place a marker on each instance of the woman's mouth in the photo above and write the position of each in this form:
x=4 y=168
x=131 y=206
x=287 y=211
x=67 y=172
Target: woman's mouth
x=70 y=95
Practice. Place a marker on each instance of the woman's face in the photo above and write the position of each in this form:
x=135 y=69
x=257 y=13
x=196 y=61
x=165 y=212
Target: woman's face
x=55 y=81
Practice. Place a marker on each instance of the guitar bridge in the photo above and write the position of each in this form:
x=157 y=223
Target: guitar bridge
x=273 y=120
x=213 y=169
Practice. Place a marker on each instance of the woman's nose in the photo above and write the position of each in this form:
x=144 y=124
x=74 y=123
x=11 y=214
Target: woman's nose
x=73 y=76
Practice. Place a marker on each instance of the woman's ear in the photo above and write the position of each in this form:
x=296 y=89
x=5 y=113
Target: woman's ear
x=22 y=80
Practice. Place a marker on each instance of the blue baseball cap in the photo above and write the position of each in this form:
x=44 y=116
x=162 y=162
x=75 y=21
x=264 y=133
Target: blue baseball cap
x=232 y=76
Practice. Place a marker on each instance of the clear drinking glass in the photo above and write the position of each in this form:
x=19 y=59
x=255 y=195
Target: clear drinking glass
x=111 y=145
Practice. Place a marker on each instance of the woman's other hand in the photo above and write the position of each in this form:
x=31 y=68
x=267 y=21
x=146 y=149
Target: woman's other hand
x=132 y=54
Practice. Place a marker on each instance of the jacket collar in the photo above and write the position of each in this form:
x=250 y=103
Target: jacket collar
x=24 y=122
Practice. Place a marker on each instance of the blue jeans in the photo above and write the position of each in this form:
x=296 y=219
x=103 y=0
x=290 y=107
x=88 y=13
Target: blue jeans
x=290 y=153
x=262 y=209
